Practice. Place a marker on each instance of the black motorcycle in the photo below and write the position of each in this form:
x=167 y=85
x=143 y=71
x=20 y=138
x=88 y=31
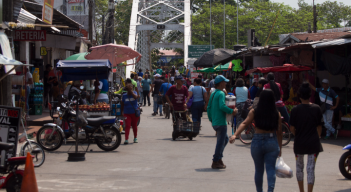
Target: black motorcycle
x=345 y=162
x=104 y=131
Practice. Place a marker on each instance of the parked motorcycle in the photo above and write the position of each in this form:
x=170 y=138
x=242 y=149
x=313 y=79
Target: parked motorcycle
x=345 y=162
x=104 y=131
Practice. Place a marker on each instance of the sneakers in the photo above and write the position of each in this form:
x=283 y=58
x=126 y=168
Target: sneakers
x=161 y=114
x=154 y=114
x=126 y=142
x=217 y=165
x=336 y=133
x=326 y=137
x=135 y=140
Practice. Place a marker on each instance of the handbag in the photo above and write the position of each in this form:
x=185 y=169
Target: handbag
x=189 y=103
x=323 y=105
x=137 y=111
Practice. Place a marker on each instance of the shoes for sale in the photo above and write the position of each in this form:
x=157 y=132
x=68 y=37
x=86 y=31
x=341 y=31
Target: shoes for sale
x=336 y=134
x=126 y=142
x=135 y=140
x=217 y=165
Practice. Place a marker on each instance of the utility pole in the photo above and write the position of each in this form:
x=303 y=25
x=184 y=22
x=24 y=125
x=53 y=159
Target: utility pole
x=224 y=24
x=237 y=22
x=103 y=30
x=111 y=7
x=314 y=18
x=90 y=2
x=211 y=24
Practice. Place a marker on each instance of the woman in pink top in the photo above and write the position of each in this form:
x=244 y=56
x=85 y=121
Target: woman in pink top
x=278 y=93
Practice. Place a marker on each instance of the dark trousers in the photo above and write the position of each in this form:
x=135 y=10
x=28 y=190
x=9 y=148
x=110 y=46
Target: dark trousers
x=146 y=94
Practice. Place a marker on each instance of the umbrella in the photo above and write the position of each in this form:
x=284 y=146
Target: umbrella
x=284 y=68
x=116 y=54
x=215 y=57
x=78 y=56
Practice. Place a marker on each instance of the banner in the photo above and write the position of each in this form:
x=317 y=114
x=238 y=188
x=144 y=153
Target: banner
x=48 y=11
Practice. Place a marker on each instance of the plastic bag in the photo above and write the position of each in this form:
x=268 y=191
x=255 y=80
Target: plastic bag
x=282 y=170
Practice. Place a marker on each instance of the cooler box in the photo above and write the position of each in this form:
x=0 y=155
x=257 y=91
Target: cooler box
x=116 y=111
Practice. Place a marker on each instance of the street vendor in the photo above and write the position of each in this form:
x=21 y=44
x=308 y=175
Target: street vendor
x=101 y=95
x=179 y=93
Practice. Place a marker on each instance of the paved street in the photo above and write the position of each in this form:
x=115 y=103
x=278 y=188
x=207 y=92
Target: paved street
x=157 y=163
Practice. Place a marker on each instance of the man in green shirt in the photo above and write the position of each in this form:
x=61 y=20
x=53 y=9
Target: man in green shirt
x=217 y=111
x=159 y=70
x=134 y=83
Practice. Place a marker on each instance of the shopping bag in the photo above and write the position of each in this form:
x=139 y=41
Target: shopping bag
x=282 y=170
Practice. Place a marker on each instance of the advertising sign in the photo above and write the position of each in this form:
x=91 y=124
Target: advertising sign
x=48 y=11
x=78 y=7
x=196 y=51
x=30 y=35
x=193 y=74
x=75 y=1
x=10 y=118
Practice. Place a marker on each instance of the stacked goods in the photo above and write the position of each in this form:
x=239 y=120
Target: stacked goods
x=290 y=105
x=99 y=107
x=36 y=99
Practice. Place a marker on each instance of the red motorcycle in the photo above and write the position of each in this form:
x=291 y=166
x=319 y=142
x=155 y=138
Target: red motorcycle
x=13 y=181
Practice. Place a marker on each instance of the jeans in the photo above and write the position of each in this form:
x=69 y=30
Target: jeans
x=328 y=118
x=284 y=112
x=146 y=94
x=197 y=108
x=141 y=97
x=27 y=98
x=156 y=105
x=222 y=141
x=264 y=152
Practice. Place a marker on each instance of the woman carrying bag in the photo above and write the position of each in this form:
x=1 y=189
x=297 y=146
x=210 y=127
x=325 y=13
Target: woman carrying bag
x=130 y=111
x=199 y=103
x=267 y=141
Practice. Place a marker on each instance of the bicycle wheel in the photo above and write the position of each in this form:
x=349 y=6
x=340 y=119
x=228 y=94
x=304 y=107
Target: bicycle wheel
x=247 y=135
x=286 y=134
x=35 y=150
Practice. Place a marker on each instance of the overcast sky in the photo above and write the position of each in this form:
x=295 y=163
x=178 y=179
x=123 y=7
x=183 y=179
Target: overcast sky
x=293 y=3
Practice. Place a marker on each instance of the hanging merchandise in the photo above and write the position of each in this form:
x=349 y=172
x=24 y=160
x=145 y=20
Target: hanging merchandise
x=237 y=65
x=36 y=75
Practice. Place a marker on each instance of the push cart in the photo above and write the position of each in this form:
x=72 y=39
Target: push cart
x=184 y=128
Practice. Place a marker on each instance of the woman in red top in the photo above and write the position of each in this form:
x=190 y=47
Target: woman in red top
x=278 y=93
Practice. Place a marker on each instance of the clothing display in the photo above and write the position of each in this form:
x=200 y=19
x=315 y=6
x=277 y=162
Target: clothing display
x=237 y=65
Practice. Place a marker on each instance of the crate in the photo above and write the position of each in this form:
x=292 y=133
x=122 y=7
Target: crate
x=346 y=125
x=116 y=111
x=185 y=126
x=38 y=110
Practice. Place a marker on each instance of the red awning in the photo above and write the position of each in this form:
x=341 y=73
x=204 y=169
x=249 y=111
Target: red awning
x=284 y=68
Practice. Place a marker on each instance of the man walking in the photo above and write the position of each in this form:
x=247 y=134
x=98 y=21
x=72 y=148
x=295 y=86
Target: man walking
x=140 y=74
x=211 y=84
x=159 y=70
x=155 y=89
x=140 y=89
x=178 y=93
x=146 y=89
x=217 y=111
x=326 y=95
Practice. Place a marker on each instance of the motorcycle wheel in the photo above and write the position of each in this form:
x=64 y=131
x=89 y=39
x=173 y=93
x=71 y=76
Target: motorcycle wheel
x=345 y=165
x=116 y=135
x=46 y=143
x=14 y=183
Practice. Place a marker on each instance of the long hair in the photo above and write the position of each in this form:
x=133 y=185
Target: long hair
x=239 y=82
x=304 y=91
x=266 y=113
x=262 y=82
x=274 y=86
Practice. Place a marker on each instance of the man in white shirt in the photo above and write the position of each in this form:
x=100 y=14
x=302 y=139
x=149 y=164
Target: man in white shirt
x=29 y=83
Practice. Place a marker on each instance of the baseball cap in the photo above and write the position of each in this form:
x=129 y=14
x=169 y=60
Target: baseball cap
x=325 y=81
x=157 y=75
x=220 y=78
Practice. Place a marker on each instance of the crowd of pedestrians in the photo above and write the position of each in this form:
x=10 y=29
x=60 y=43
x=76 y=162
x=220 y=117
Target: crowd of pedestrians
x=267 y=113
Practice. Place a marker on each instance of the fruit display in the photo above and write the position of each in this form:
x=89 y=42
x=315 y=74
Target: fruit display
x=99 y=107
x=290 y=105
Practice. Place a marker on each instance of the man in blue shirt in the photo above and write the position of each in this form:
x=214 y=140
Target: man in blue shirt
x=327 y=95
x=146 y=89
x=253 y=89
x=140 y=74
x=164 y=88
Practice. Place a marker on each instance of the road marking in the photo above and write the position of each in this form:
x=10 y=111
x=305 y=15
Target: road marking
x=131 y=169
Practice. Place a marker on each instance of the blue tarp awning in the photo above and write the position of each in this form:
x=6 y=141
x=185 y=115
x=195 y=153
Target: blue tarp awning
x=73 y=70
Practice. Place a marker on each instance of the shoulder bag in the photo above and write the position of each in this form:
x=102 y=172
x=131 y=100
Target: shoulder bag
x=137 y=111
x=323 y=105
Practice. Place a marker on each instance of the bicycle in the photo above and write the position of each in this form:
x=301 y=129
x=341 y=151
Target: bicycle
x=30 y=146
x=247 y=135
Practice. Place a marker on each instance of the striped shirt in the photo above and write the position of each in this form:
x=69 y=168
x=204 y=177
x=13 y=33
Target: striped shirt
x=323 y=94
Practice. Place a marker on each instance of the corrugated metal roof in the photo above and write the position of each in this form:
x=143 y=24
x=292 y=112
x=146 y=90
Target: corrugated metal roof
x=17 y=5
x=26 y=17
x=331 y=43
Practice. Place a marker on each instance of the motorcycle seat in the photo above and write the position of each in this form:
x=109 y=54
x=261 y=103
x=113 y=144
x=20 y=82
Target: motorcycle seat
x=101 y=120
x=6 y=146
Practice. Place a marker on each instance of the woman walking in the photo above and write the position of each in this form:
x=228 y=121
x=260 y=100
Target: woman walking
x=128 y=107
x=278 y=93
x=306 y=125
x=242 y=94
x=199 y=100
x=267 y=142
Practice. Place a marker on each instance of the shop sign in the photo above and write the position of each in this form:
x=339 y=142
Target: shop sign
x=9 y=127
x=196 y=51
x=48 y=11
x=30 y=35
x=77 y=8
x=43 y=51
x=75 y=1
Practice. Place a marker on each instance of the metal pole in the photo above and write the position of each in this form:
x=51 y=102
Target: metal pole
x=224 y=24
x=237 y=22
x=112 y=22
x=211 y=24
